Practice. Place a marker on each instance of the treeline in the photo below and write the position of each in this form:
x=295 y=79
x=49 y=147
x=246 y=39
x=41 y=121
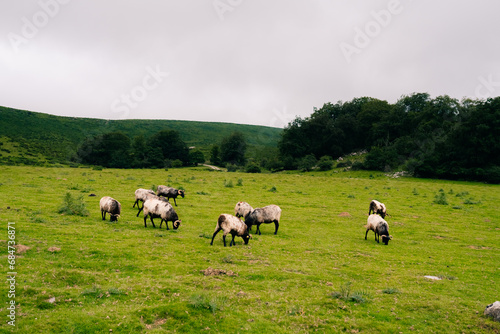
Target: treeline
x=162 y=150
x=437 y=138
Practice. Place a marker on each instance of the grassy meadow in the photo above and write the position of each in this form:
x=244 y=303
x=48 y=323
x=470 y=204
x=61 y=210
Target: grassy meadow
x=317 y=274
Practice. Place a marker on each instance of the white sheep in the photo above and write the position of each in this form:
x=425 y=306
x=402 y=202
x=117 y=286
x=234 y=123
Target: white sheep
x=157 y=208
x=142 y=195
x=112 y=206
x=242 y=209
x=380 y=227
x=169 y=193
x=377 y=207
x=233 y=225
x=266 y=215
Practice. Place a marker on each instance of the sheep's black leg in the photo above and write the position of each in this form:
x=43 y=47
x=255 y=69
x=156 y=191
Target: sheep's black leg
x=224 y=239
x=152 y=222
x=161 y=221
x=145 y=216
x=377 y=240
x=166 y=223
x=175 y=202
x=366 y=234
x=258 y=229
x=276 y=224
x=140 y=209
x=136 y=202
x=215 y=233
x=103 y=214
x=232 y=241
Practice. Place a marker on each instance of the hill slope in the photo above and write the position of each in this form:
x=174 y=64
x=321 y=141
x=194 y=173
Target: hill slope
x=27 y=136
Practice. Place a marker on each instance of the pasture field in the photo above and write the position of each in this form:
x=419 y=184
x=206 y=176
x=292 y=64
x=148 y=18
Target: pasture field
x=84 y=275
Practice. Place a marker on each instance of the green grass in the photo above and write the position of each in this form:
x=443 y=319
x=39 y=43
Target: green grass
x=126 y=278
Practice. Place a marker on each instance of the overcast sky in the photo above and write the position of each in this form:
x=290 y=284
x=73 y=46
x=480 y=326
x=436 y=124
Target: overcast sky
x=240 y=61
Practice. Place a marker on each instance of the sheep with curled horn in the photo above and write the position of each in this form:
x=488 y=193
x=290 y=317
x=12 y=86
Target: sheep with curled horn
x=379 y=226
x=111 y=206
x=169 y=192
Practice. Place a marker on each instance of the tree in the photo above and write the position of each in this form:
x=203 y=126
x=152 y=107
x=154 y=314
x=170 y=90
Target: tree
x=171 y=145
x=108 y=150
x=215 y=155
x=233 y=149
x=196 y=157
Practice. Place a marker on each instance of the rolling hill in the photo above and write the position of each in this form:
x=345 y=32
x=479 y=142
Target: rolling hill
x=28 y=137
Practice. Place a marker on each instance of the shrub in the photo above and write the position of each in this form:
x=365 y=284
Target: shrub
x=252 y=167
x=325 y=163
x=73 y=206
x=307 y=163
x=440 y=198
x=228 y=184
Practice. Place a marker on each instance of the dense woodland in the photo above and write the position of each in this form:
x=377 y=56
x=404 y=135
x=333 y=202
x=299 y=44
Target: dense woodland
x=436 y=138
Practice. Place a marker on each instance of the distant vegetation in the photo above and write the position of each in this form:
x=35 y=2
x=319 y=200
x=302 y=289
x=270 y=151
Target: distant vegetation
x=31 y=138
x=432 y=138
x=437 y=138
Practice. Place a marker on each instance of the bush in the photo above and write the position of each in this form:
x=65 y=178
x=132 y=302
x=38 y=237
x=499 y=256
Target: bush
x=73 y=206
x=307 y=163
x=252 y=167
x=325 y=163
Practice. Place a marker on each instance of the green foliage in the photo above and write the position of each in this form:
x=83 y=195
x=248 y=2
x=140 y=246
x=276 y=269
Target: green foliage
x=233 y=149
x=307 y=163
x=196 y=157
x=440 y=198
x=325 y=163
x=252 y=167
x=426 y=137
x=204 y=302
x=73 y=206
x=215 y=155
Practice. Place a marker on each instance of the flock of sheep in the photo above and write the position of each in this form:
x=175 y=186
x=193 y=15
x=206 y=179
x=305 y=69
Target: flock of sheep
x=157 y=205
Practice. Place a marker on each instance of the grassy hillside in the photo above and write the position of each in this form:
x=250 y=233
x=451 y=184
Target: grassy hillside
x=29 y=136
x=79 y=274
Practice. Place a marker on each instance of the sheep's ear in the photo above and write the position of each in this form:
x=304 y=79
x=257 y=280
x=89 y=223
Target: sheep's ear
x=250 y=236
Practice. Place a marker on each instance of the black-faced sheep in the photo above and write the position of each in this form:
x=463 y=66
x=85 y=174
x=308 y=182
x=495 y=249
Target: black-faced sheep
x=377 y=207
x=112 y=206
x=378 y=225
x=157 y=208
x=142 y=195
x=266 y=215
x=231 y=225
x=242 y=209
x=169 y=193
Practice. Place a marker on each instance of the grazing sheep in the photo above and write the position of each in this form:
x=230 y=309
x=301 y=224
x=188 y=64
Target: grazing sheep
x=266 y=215
x=157 y=208
x=112 y=206
x=233 y=225
x=169 y=192
x=378 y=225
x=377 y=207
x=142 y=195
x=242 y=209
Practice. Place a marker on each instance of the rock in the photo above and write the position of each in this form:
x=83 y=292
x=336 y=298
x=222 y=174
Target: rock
x=493 y=310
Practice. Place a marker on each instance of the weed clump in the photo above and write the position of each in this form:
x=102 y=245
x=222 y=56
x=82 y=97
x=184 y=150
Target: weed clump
x=347 y=295
x=200 y=301
x=440 y=198
x=74 y=206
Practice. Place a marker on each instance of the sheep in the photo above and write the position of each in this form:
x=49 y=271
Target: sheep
x=112 y=206
x=378 y=225
x=157 y=208
x=377 y=207
x=242 y=209
x=142 y=195
x=266 y=215
x=169 y=192
x=233 y=225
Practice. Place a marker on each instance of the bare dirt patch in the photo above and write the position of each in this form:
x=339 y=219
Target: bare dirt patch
x=54 y=249
x=218 y=272
x=20 y=249
x=344 y=214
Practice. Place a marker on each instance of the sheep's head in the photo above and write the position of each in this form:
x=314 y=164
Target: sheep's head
x=176 y=224
x=386 y=239
x=113 y=218
x=246 y=237
x=181 y=192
